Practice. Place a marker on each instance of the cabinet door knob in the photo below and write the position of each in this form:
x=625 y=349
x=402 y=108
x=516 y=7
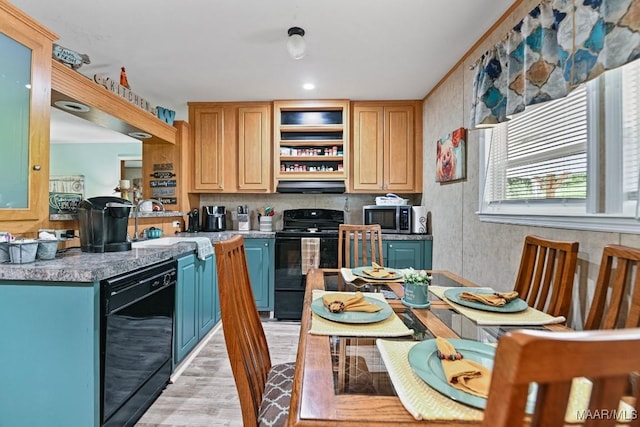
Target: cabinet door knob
x=36 y=167
x=266 y=244
x=390 y=246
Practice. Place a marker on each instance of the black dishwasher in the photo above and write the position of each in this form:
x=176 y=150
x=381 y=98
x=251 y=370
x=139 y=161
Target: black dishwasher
x=136 y=336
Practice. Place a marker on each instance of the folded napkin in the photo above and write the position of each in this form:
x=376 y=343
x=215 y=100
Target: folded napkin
x=349 y=277
x=496 y=299
x=377 y=271
x=463 y=374
x=336 y=303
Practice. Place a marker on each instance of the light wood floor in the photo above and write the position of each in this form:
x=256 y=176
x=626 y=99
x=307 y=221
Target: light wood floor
x=205 y=394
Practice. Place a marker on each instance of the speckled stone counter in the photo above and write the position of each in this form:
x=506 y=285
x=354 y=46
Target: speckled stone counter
x=406 y=236
x=77 y=266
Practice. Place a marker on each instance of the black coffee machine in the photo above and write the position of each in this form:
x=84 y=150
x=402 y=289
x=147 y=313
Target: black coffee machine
x=103 y=224
x=214 y=218
x=194 y=221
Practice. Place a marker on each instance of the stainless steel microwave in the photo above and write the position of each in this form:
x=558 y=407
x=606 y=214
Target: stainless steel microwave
x=392 y=219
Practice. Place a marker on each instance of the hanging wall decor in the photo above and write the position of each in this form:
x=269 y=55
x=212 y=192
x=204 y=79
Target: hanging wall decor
x=451 y=156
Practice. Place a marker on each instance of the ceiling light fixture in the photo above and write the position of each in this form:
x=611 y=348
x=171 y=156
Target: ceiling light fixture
x=295 y=44
x=76 y=107
x=139 y=135
x=308 y=86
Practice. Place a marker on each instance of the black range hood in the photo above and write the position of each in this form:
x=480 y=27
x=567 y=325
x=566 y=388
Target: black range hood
x=311 y=187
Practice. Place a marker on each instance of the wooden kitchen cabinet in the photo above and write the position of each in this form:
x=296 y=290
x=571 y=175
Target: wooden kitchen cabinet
x=311 y=140
x=261 y=261
x=231 y=146
x=24 y=125
x=196 y=303
x=408 y=253
x=386 y=147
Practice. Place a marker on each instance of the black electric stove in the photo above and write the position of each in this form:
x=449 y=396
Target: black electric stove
x=290 y=281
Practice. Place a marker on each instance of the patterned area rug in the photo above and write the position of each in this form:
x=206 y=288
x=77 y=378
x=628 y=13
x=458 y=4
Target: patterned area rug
x=205 y=394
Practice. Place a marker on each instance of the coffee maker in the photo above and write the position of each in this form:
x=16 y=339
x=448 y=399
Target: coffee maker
x=103 y=224
x=194 y=221
x=214 y=218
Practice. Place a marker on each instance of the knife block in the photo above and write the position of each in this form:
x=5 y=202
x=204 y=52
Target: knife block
x=243 y=222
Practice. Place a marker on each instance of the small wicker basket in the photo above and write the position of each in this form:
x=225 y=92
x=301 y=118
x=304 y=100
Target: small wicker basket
x=47 y=248
x=23 y=251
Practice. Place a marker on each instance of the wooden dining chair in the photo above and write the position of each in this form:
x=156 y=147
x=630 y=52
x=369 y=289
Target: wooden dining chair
x=616 y=300
x=264 y=390
x=553 y=360
x=359 y=245
x=546 y=274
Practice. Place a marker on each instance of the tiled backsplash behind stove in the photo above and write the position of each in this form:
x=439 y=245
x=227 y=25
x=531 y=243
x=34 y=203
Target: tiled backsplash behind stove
x=350 y=203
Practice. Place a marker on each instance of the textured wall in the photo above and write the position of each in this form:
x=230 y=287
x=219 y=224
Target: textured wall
x=487 y=253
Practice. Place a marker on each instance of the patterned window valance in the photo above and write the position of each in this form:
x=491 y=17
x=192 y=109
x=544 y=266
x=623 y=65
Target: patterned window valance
x=559 y=45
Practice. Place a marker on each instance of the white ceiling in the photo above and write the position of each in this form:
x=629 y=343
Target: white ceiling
x=235 y=50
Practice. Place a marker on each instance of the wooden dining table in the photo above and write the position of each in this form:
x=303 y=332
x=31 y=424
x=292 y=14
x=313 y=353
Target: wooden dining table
x=316 y=400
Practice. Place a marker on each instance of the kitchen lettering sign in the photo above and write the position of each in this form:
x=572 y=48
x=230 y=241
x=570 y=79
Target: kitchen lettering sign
x=162 y=113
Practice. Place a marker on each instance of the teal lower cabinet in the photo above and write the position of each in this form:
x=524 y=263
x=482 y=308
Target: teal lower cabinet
x=196 y=303
x=50 y=355
x=261 y=262
x=408 y=253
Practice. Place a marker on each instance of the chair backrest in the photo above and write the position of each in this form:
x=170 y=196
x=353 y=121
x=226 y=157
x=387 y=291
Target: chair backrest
x=618 y=276
x=546 y=274
x=552 y=360
x=243 y=334
x=359 y=245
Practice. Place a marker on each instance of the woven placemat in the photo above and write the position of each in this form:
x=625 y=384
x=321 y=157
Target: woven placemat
x=528 y=317
x=425 y=403
x=422 y=402
x=392 y=326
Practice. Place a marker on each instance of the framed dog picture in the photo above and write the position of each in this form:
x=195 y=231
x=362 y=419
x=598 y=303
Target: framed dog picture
x=451 y=156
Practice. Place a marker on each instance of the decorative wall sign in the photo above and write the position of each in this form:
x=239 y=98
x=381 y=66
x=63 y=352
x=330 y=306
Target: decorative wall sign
x=159 y=192
x=169 y=200
x=64 y=203
x=69 y=57
x=165 y=115
x=125 y=93
x=451 y=156
x=163 y=166
x=162 y=175
x=163 y=183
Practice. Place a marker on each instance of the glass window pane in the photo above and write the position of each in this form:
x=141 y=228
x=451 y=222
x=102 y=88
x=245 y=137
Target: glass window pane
x=15 y=84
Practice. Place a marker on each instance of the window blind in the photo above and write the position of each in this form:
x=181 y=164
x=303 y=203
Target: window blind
x=541 y=154
x=631 y=130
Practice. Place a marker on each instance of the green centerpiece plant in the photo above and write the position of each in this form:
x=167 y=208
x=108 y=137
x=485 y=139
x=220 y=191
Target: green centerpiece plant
x=416 y=288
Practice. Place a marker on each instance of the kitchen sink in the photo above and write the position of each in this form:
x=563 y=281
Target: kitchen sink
x=161 y=242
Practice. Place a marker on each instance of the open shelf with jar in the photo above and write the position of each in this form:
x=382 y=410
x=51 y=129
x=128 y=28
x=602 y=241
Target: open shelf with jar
x=311 y=139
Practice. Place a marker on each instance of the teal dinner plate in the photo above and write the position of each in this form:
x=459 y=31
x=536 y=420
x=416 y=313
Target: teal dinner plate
x=359 y=271
x=423 y=359
x=513 y=306
x=317 y=306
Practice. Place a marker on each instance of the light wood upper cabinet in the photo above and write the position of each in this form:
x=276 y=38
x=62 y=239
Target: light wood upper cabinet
x=386 y=147
x=24 y=130
x=254 y=147
x=231 y=146
x=207 y=123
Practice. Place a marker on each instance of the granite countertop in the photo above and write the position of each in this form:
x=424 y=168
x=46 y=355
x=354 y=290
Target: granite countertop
x=74 y=265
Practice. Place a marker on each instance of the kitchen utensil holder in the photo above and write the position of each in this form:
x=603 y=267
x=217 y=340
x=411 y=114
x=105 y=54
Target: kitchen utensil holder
x=266 y=223
x=243 y=222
